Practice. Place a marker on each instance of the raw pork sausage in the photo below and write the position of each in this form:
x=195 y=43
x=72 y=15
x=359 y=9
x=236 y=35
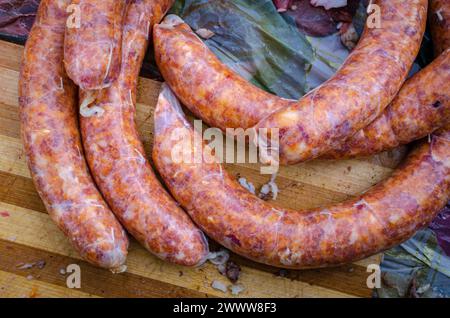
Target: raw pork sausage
x=421 y=107
x=211 y=90
x=323 y=119
x=117 y=159
x=386 y=215
x=92 y=49
x=361 y=89
x=48 y=114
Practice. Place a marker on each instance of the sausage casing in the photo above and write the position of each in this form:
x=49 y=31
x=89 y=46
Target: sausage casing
x=386 y=215
x=116 y=154
x=421 y=107
x=48 y=114
x=361 y=89
x=92 y=49
x=211 y=90
x=323 y=119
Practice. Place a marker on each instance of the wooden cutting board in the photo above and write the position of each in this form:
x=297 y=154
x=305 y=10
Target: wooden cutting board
x=27 y=235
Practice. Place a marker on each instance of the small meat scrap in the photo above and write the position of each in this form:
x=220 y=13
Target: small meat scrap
x=264 y=193
x=269 y=191
x=247 y=185
x=205 y=33
x=39 y=264
x=219 y=258
x=232 y=271
x=236 y=289
x=218 y=285
x=225 y=266
x=25 y=265
x=349 y=36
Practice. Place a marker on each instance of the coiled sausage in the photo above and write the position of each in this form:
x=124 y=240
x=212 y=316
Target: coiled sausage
x=421 y=107
x=386 y=215
x=323 y=119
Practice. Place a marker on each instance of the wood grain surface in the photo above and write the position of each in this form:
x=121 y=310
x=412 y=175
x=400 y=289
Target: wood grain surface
x=27 y=235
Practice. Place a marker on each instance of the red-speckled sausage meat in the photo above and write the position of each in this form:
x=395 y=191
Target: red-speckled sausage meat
x=323 y=119
x=421 y=107
x=92 y=49
x=117 y=159
x=210 y=89
x=48 y=114
x=386 y=215
x=360 y=90
x=439 y=17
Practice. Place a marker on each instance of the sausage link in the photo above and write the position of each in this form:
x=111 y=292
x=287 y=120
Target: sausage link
x=116 y=154
x=388 y=214
x=205 y=85
x=439 y=17
x=53 y=149
x=421 y=107
x=323 y=119
x=361 y=89
x=92 y=49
